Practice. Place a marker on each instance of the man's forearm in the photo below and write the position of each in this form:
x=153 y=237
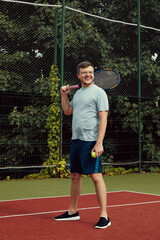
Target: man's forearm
x=98 y=148
x=101 y=130
x=65 y=103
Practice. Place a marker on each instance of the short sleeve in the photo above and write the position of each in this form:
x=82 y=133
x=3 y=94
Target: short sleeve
x=71 y=103
x=102 y=101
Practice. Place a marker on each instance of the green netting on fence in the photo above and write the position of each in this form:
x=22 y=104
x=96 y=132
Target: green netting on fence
x=103 y=32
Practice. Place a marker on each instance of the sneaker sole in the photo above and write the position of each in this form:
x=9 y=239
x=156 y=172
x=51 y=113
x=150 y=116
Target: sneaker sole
x=103 y=227
x=68 y=219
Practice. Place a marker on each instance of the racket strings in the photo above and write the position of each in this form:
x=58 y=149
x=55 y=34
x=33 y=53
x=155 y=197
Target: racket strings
x=106 y=79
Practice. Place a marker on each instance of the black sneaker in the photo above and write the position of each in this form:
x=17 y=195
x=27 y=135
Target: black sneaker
x=66 y=217
x=103 y=223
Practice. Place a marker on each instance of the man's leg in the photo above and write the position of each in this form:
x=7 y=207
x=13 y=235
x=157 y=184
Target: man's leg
x=100 y=188
x=76 y=185
x=72 y=213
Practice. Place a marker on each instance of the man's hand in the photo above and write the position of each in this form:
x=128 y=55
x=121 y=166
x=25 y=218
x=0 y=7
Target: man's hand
x=98 y=148
x=65 y=90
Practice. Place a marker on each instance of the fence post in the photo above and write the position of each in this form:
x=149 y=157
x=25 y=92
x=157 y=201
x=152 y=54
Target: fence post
x=62 y=73
x=139 y=90
x=55 y=37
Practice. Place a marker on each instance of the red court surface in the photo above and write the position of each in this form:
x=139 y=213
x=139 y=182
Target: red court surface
x=134 y=216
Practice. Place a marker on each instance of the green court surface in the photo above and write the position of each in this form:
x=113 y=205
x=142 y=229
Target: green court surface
x=19 y=189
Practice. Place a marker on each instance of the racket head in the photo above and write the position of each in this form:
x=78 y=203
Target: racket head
x=107 y=78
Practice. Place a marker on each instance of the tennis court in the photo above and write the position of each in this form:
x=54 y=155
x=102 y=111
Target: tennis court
x=28 y=209
x=133 y=215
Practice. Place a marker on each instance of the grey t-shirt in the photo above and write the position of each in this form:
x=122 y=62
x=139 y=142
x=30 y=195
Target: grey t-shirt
x=86 y=103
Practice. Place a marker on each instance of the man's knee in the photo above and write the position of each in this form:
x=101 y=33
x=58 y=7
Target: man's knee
x=76 y=176
x=96 y=177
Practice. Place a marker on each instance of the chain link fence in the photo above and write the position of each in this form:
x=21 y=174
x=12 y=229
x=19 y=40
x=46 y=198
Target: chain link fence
x=31 y=41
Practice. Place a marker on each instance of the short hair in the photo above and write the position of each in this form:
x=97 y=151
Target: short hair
x=84 y=65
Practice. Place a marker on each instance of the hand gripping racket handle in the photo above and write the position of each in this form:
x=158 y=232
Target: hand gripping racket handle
x=74 y=86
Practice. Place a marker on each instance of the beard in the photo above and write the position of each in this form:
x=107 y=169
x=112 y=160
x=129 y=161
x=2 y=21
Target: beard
x=88 y=83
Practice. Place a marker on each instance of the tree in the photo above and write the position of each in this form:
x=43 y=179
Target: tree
x=27 y=50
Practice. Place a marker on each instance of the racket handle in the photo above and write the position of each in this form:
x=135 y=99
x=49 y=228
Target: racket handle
x=74 y=86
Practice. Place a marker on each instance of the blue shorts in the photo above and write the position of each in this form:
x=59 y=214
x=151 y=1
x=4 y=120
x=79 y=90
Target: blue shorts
x=81 y=160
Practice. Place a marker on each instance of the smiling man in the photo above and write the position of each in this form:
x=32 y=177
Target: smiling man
x=90 y=110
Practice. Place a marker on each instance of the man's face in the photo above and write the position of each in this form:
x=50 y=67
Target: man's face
x=86 y=76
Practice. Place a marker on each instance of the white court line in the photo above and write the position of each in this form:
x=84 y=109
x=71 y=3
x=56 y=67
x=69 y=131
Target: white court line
x=151 y=194
x=80 y=209
x=85 y=194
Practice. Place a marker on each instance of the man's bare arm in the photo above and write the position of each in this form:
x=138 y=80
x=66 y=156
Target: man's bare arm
x=98 y=148
x=68 y=110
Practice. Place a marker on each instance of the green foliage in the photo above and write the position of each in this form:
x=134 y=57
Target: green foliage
x=53 y=128
x=125 y=112
x=53 y=120
x=111 y=171
x=27 y=135
x=25 y=29
x=8 y=178
x=76 y=38
x=41 y=175
x=60 y=170
x=151 y=131
x=154 y=169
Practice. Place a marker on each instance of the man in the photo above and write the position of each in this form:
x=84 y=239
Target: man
x=90 y=110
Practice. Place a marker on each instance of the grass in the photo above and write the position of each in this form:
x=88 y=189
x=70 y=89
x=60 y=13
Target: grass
x=18 y=189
